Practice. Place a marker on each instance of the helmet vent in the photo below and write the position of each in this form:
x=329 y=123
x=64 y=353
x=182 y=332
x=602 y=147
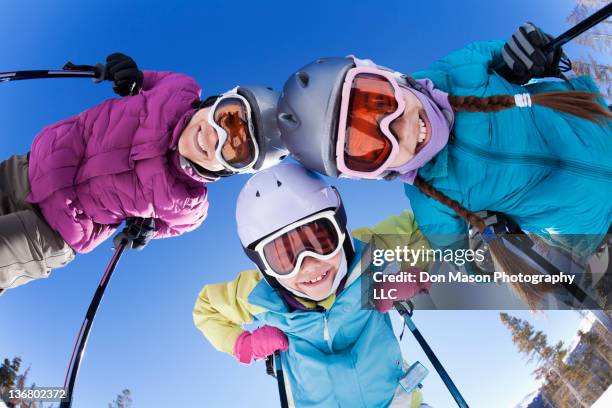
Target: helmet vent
x=303 y=78
x=288 y=119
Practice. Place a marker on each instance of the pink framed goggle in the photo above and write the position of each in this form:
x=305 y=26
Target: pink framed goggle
x=371 y=101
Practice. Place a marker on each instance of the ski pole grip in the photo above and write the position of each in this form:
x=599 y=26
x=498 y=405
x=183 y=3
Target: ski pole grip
x=98 y=70
x=270 y=366
x=404 y=307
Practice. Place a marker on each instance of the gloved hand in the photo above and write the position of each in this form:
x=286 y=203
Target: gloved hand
x=403 y=290
x=524 y=58
x=123 y=71
x=138 y=232
x=260 y=343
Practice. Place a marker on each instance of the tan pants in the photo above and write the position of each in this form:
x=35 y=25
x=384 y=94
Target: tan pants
x=29 y=248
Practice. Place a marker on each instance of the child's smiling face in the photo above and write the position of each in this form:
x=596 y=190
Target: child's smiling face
x=198 y=142
x=412 y=129
x=315 y=277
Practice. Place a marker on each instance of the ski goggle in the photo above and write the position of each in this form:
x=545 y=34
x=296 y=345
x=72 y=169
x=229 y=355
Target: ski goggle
x=231 y=117
x=371 y=100
x=318 y=236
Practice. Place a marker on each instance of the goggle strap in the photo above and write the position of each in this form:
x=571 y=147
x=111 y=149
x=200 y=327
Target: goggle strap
x=208 y=102
x=362 y=62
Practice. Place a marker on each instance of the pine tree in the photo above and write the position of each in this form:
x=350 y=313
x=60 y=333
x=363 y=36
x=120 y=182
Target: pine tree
x=123 y=400
x=599 y=37
x=534 y=346
x=9 y=372
x=601 y=73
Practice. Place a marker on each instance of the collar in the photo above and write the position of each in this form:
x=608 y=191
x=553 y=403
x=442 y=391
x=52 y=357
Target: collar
x=437 y=167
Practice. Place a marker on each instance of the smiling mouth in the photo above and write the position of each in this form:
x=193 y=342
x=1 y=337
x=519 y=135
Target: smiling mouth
x=198 y=142
x=317 y=280
x=424 y=133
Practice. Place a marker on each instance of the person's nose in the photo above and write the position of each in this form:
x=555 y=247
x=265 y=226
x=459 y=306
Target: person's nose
x=212 y=139
x=311 y=265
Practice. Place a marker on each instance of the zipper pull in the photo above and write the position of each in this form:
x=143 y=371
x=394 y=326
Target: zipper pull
x=326 y=336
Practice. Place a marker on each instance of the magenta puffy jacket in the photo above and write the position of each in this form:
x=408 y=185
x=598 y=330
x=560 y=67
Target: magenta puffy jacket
x=118 y=159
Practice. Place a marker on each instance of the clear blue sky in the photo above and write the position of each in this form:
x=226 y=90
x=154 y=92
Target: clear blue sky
x=143 y=337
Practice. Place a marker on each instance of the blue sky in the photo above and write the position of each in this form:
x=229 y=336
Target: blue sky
x=143 y=337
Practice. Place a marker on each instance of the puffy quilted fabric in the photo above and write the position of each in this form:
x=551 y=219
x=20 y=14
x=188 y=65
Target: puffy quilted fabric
x=116 y=160
x=549 y=171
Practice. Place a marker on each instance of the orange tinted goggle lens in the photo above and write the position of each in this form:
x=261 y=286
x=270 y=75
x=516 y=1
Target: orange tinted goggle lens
x=239 y=148
x=318 y=236
x=372 y=98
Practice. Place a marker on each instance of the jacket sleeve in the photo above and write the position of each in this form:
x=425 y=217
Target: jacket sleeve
x=157 y=79
x=396 y=231
x=221 y=309
x=176 y=222
x=168 y=96
x=469 y=67
x=442 y=227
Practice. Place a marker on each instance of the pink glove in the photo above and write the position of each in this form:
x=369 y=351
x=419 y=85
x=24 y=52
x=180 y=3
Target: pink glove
x=399 y=290
x=260 y=343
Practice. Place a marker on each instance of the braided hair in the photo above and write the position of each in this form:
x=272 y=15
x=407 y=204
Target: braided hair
x=577 y=103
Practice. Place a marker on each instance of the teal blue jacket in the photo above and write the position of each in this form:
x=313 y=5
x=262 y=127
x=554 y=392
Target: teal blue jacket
x=344 y=356
x=549 y=171
x=340 y=355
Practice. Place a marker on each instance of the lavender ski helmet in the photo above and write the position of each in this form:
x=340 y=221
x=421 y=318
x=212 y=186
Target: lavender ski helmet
x=281 y=195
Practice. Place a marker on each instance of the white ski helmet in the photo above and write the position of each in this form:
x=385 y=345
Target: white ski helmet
x=279 y=196
x=263 y=102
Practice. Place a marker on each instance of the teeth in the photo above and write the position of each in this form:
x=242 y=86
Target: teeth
x=199 y=139
x=422 y=131
x=317 y=279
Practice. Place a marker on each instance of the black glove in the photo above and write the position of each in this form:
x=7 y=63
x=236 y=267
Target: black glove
x=524 y=58
x=137 y=232
x=123 y=71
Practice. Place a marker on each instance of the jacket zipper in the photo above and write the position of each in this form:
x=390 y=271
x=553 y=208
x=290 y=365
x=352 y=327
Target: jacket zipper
x=326 y=335
x=587 y=170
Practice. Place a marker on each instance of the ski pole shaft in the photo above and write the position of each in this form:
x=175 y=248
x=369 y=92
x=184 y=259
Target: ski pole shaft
x=280 y=379
x=406 y=312
x=70 y=70
x=579 y=28
x=42 y=74
x=523 y=246
x=79 y=347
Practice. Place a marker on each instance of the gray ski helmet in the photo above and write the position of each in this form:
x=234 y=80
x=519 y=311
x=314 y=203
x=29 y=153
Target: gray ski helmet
x=308 y=113
x=263 y=101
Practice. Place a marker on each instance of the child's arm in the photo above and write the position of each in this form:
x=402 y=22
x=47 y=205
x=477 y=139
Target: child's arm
x=221 y=309
x=469 y=67
x=159 y=79
x=170 y=224
x=396 y=231
x=439 y=223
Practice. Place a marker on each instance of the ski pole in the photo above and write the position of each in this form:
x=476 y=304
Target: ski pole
x=579 y=28
x=405 y=309
x=273 y=362
x=70 y=70
x=79 y=346
x=522 y=245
